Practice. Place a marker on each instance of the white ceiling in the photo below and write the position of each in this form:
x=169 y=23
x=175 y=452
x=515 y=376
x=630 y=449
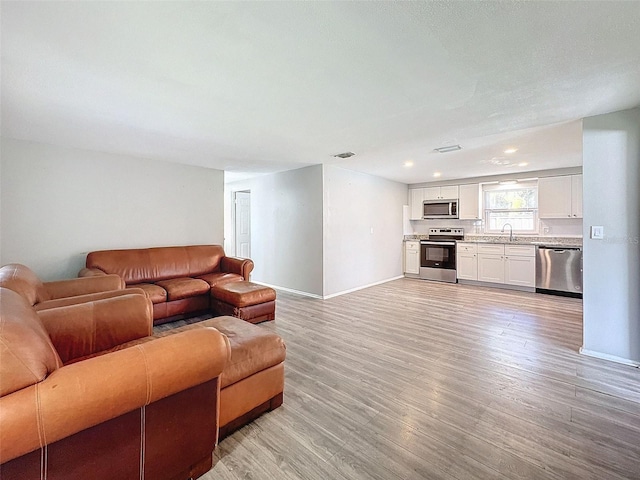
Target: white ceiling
x=268 y=86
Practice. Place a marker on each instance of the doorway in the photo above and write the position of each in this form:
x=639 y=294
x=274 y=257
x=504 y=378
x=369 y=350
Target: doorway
x=242 y=223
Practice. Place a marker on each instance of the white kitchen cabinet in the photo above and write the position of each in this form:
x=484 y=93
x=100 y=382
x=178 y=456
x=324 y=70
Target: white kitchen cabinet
x=576 y=196
x=441 y=193
x=520 y=265
x=506 y=264
x=416 y=198
x=412 y=257
x=467 y=261
x=560 y=197
x=469 y=202
x=491 y=268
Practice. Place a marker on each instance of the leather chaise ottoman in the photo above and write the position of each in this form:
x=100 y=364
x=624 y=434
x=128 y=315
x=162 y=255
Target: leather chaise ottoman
x=246 y=300
x=252 y=382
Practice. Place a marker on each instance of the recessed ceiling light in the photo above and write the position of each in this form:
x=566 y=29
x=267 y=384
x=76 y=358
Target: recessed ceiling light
x=408 y=163
x=511 y=150
x=449 y=148
x=344 y=155
x=437 y=174
x=523 y=164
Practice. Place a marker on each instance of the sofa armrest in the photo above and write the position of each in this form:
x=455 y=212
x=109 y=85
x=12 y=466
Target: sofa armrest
x=87 y=328
x=81 y=286
x=91 y=272
x=87 y=393
x=89 y=297
x=241 y=266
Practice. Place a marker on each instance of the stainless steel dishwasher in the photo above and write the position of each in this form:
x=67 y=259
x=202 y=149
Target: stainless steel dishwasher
x=559 y=270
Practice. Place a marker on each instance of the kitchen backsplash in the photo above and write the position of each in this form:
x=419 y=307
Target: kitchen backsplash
x=548 y=228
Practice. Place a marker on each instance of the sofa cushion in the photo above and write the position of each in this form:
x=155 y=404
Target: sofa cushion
x=155 y=293
x=23 y=280
x=220 y=278
x=148 y=265
x=179 y=288
x=27 y=353
x=253 y=348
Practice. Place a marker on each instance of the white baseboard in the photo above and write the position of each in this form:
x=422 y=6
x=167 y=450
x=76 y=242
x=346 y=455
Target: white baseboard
x=611 y=358
x=290 y=290
x=326 y=297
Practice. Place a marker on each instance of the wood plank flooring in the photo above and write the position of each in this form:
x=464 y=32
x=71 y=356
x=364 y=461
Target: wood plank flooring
x=414 y=379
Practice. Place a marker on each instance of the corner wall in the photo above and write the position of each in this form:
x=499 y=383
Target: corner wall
x=58 y=204
x=286 y=228
x=611 y=175
x=362 y=230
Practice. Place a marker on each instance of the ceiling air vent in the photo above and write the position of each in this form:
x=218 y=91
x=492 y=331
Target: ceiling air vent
x=344 y=155
x=450 y=148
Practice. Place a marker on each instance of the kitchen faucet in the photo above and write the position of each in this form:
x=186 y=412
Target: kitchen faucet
x=510 y=231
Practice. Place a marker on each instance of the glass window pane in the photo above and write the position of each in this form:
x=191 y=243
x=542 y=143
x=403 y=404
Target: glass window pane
x=516 y=205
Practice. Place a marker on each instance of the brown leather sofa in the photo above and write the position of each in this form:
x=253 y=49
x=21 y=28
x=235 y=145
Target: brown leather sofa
x=44 y=295
x=178 y=280
x=68 y=411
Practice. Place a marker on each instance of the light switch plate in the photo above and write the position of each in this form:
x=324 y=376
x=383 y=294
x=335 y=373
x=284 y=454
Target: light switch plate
x=597 y=232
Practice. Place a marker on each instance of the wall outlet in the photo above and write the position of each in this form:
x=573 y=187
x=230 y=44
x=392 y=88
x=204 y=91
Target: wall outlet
x=597 y=232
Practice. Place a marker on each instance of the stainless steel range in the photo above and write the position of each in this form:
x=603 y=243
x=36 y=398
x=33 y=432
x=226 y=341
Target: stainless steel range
x=438 y=254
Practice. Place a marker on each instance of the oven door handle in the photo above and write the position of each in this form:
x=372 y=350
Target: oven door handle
x=444 y=244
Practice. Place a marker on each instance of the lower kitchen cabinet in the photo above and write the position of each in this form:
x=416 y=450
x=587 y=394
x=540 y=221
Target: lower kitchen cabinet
x=520 y=265
x=490 y=268
x=498 y=264
x=412 y=257
x=467 y=261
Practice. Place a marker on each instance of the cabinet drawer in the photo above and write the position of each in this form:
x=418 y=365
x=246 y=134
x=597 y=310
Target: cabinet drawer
x=491 y=248
x=520 y=250
x=412 y=245
x=467 y=247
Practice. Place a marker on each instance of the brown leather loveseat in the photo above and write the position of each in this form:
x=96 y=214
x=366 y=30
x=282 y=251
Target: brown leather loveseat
x=68 y=411
x=178 y=280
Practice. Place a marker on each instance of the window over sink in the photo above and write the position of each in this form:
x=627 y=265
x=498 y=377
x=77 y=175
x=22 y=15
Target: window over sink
x=516 y=204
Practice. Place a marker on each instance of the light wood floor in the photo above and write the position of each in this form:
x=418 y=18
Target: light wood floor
x=414 y=379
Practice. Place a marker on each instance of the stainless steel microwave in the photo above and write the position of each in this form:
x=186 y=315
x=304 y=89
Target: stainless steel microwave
x=440 y=209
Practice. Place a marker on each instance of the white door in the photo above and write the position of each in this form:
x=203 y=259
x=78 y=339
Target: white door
x=242 y=205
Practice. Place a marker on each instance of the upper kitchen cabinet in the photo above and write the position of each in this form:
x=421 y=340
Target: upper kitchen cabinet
x=576 y=195
x=560 y=197
x=441 y=193
x=416 y=198
x=469 y=202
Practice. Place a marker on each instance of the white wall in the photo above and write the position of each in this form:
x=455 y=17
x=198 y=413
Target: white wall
x=58 y=204
x=611 y=149
x=362 y=229
x=286 y=228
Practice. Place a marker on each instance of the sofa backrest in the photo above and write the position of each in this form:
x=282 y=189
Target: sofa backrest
x=140 y=265
x=27 y=353
x=23 y=280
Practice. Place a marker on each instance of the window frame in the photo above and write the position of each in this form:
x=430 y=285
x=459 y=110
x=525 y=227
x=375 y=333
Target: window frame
x=522 y=185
